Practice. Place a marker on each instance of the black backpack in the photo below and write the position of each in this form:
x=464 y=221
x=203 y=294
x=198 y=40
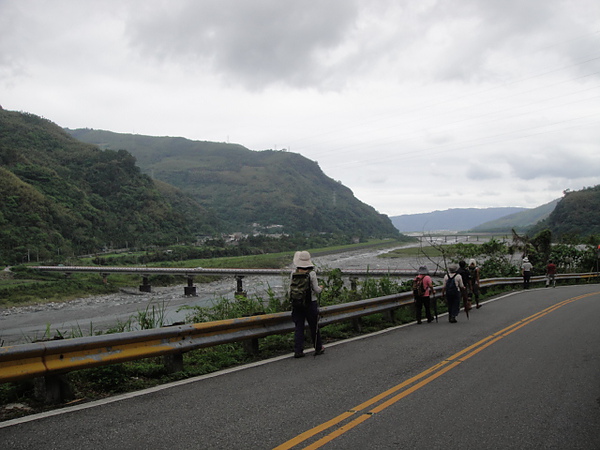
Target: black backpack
x=300 y=290
x=451 y=288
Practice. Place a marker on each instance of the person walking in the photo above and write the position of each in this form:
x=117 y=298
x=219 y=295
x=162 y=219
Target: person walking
x=308 y=311
x=474 y=275
x=551 y=274
x=526 y=272
x=453 y=289
x=423 y=292
x=466 y=277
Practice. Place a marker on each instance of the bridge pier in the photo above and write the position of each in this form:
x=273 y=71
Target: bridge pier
x=190 y=289
x=240 y=289
x=145 y=286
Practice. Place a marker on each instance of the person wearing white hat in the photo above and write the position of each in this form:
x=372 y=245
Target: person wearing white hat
x=526 y=268
x=308 y=312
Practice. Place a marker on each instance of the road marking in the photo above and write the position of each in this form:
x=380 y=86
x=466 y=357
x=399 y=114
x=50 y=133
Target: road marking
x=412 y=384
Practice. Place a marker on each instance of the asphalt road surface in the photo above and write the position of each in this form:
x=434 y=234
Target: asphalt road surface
x=523 y=372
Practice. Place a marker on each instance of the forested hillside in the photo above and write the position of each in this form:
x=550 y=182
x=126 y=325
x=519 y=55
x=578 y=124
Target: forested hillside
x=577 y=214
x=63 y=197
x=245 y=187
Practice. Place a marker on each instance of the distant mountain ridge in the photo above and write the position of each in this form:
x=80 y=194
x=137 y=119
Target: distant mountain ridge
x=518 y=221
x=243 y=187
x=456 y=219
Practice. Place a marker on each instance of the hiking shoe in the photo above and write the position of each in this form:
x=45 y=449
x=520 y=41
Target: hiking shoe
x=320 y=352
x=299 y=355
x=478 y=306
x=419 y=322
x=429 y=320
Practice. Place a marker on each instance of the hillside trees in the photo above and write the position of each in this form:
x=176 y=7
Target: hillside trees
x=61 y=197
x=244 y=187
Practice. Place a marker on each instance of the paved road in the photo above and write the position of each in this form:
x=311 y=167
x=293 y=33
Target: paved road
x=523 y=372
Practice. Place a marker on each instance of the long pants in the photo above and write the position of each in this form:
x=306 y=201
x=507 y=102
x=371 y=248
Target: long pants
x=475 y=292
x=311 y=315
x=526 y=279
x=453 y=304
x=419 y=303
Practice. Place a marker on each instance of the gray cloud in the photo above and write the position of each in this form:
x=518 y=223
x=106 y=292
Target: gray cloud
x=253 y=43
x=479 y=171
x=566 y=164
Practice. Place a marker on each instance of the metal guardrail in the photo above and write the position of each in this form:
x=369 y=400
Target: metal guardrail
x=62 y=356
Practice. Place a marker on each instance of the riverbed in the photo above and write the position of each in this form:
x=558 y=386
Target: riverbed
x=96 y=314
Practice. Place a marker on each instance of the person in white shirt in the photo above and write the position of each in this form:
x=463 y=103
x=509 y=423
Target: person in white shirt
x=526 y=268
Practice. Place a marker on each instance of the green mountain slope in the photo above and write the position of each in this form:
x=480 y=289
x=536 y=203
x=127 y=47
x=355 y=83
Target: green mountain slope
x=576 y=214
x=518 y=221
x=245 y=187
x=61 y=196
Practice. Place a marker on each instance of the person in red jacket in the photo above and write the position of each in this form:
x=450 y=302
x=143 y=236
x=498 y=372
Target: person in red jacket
x=422 y=293
x=551 y=274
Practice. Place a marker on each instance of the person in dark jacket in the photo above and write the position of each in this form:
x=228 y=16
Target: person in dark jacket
x=453 y=292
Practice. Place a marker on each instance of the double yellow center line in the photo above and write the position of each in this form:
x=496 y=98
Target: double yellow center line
x=398 y=392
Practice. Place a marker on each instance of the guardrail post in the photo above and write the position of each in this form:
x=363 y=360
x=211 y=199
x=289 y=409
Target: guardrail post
x=240 y=289
x=251 y=345
x=52 y=389
x=145 y=286
x=356 y=323
x=389 y=316
x=173 y=363
x=190 y=289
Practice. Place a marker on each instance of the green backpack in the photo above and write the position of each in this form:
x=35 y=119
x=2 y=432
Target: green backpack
x=300 y=291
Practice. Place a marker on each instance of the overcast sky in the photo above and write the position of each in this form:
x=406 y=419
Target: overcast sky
x=415 y=105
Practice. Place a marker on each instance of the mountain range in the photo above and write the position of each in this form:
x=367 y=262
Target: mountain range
x=474 y=219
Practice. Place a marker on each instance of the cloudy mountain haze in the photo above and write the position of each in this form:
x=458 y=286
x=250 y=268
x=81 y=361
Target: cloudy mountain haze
x=415 y=105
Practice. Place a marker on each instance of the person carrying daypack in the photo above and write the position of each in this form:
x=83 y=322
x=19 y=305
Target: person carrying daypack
x=422 y=292
x=304 y=288
x=466 y=278
x=453 y=289
x=474 y=275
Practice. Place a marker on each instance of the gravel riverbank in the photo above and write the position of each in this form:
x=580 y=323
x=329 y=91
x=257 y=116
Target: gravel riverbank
x=87 y=315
